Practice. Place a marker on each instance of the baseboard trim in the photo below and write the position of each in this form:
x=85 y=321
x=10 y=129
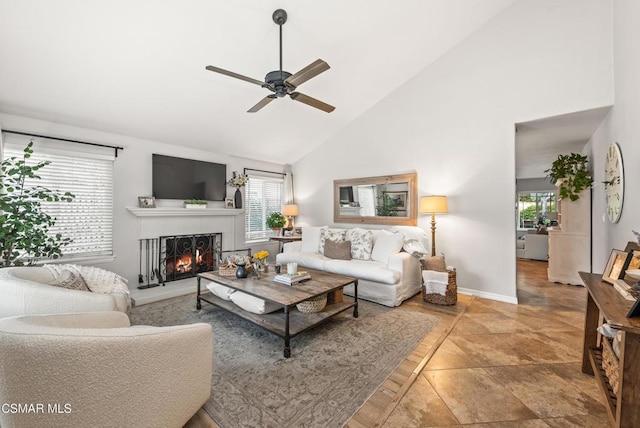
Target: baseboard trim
x=490 y=296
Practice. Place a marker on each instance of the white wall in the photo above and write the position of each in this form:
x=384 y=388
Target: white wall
x=622 y=126
x=133 y=179
x=454 y=125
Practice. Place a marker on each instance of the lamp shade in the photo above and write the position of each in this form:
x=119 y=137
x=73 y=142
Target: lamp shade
x=433 y=205
x=290 y=210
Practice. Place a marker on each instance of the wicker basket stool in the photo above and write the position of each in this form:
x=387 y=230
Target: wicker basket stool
x=451 y=295
x=313 y=305
x=610 y=364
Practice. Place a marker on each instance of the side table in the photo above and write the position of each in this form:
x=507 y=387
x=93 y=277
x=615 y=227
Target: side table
x=284 y=239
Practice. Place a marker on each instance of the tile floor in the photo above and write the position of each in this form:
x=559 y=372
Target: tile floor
x=508 y=365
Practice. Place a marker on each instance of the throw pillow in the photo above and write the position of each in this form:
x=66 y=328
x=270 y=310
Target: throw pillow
x=337 y=235
x=387 y=243
x=310 y=239
x=436 y=263
x=361 y=243
x=68 y=279
x=337 y=250
x=415 y=248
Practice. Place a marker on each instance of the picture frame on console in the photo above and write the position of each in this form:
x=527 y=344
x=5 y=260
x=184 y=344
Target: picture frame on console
x=228 y=203
x=146 y=202
x=615 y=266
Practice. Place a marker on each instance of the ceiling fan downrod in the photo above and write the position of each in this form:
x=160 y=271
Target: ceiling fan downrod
x=280 y=17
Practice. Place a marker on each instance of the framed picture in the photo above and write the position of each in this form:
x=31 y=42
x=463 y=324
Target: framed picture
x=146 y=202
x=615 y=266
x=398 y=200
x=633 y=262
x=228 y=203
x=635 y=309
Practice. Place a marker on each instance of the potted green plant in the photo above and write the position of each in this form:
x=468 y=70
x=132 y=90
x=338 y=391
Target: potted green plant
x=195 y=204
x=24 y=227
x=276 y=221
x=571 y=174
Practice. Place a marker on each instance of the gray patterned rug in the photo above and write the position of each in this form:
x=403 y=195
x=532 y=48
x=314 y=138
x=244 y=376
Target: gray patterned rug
x=334 y=368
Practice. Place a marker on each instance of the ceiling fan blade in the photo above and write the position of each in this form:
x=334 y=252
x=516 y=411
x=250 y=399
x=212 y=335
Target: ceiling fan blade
x=310 y=71
x=298 y=96
x=263 y=102
x=232 y=74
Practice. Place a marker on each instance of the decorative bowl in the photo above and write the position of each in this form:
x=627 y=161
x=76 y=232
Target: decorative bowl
x=633 y=273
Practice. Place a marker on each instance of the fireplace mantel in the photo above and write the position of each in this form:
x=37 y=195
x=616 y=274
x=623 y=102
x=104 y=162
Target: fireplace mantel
x=182 y=212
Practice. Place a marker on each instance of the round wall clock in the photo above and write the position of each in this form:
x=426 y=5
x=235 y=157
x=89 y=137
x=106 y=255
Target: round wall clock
x=614 y=183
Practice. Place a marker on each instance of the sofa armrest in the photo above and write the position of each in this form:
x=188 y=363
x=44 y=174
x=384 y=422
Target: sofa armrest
x=292 y=247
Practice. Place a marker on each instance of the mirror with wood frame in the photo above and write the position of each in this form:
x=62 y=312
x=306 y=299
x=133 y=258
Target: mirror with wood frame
x=386 y=199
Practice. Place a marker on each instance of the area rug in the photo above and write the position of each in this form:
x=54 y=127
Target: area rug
x=334 y=368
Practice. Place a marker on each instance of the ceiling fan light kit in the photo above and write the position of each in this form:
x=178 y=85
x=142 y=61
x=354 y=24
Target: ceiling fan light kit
x=281 y=82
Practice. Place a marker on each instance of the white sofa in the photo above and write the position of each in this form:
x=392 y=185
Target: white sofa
x=389 y=278
x=534 y=246
x=27 y=290
x=104 y=373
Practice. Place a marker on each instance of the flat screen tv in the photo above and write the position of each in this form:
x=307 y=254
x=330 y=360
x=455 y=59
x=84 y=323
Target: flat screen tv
x=178 y=178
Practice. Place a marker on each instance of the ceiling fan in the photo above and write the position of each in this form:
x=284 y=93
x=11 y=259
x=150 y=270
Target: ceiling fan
x=281 y=82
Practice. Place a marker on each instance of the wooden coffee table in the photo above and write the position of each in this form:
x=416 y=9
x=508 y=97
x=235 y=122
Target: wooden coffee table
x=290 y=322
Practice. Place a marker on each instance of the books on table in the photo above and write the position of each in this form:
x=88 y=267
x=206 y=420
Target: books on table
x=296 y=278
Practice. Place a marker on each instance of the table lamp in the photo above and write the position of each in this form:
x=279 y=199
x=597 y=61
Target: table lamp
x=290 y=211
x=433 y=205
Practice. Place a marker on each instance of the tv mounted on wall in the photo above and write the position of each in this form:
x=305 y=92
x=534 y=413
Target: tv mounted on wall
x=179 y=178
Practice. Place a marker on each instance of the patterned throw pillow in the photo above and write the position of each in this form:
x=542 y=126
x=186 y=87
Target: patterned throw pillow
x=337 y=250
x=415 y=248
x=337 y=235
x=68 y=279
x=361 y=243
x=435 y=263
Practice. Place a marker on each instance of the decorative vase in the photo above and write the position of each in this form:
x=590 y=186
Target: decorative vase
x=261 y=265
x=238 y=199
x=241 y=272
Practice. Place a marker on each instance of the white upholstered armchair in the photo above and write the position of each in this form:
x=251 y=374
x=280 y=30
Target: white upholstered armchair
x=94 y=370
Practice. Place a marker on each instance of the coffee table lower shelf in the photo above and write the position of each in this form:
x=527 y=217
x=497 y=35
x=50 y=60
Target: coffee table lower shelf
x=286 y=324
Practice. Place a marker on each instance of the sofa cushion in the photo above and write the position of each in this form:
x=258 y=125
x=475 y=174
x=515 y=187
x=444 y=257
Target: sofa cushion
x=435 y=263
x=308 y=260
x=337 y=250
x=361 y=243
x=311 y=239
x=369 y=270
x=253 y=304
x=337 y=235
x=413 y=232
x=387 y=243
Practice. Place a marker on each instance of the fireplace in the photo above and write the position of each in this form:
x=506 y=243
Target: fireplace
x=185 y=256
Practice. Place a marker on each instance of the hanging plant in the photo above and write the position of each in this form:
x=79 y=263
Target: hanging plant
x=571 y=174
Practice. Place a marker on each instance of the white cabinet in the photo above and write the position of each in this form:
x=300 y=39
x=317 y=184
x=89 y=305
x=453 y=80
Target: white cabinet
x=570 y=242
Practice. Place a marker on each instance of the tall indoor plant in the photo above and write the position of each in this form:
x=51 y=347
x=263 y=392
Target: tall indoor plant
x=571 y=174
x=24 y=226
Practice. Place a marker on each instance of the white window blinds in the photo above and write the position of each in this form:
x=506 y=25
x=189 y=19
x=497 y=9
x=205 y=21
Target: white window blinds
x=263 y=195
x=88 y=220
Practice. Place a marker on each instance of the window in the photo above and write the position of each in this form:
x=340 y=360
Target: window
x=263 y=196
x=535 y=208
x=88 y=220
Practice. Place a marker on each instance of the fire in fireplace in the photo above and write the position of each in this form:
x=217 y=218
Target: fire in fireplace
x=185 y=256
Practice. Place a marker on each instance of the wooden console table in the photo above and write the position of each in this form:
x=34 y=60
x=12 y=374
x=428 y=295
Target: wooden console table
x=623 y=409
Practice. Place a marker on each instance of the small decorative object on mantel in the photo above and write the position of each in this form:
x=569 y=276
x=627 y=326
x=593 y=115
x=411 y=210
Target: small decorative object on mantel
x=146 y=202
x=238 y=180
x=228 y=203
x=571 y=174
x=195 y=204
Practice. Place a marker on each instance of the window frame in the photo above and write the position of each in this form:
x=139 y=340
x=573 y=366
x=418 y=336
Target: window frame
x=266 y=207
x=536 y=202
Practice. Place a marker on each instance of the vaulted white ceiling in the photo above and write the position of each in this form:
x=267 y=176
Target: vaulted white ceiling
x=137 y=68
